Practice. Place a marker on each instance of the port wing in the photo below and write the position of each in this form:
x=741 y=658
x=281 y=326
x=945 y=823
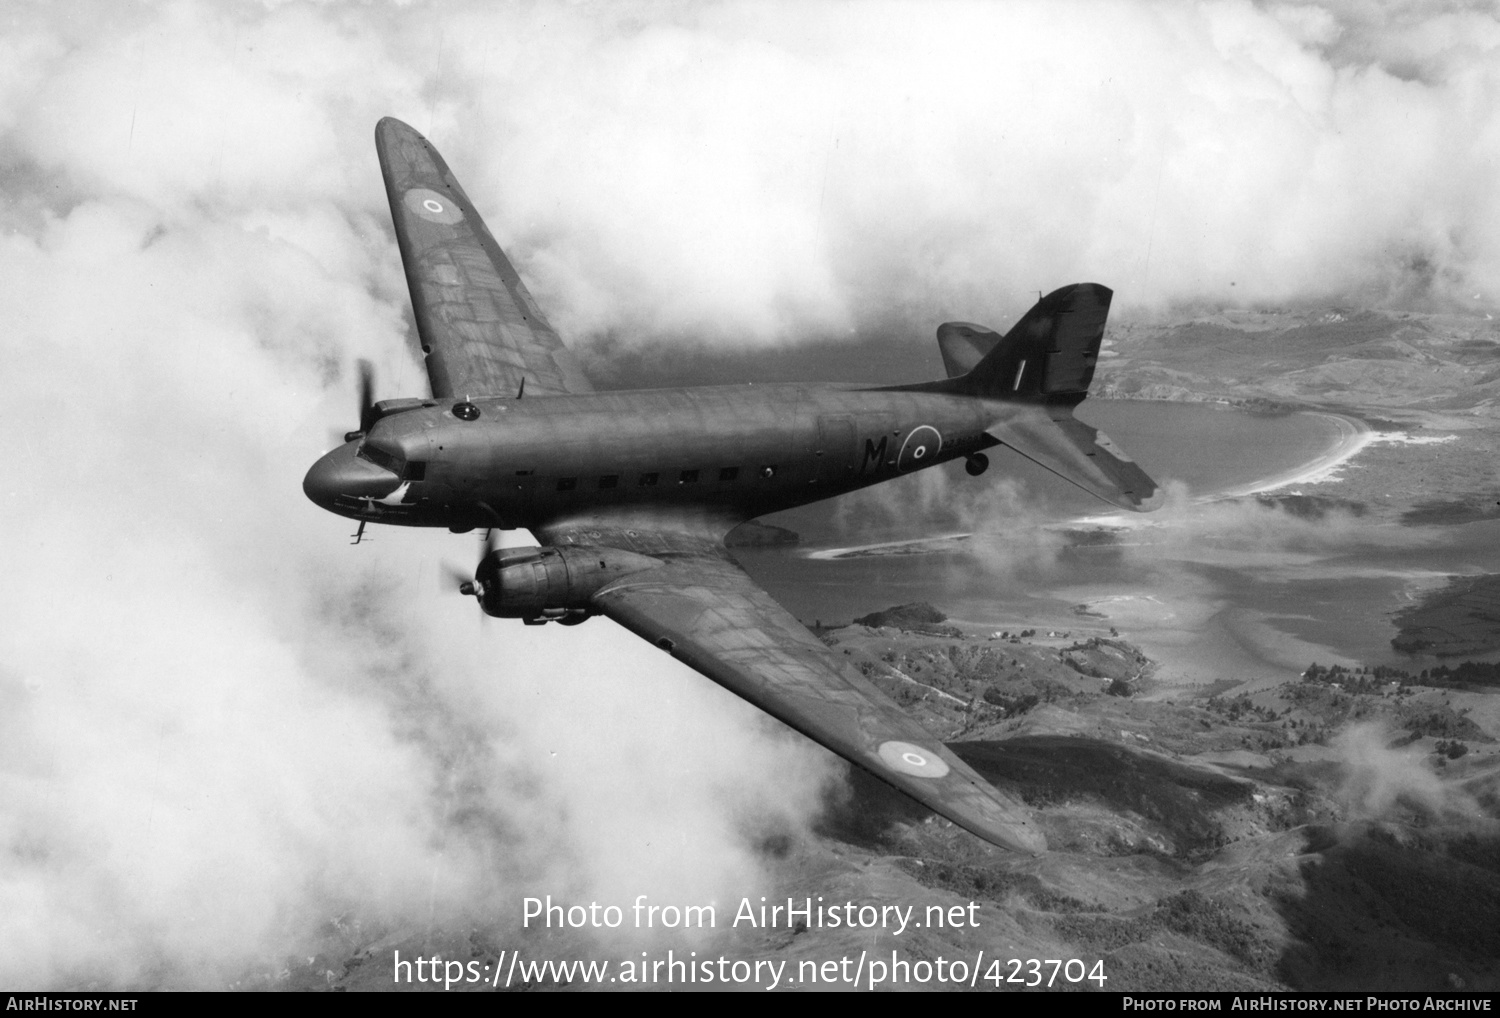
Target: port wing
x=705 y=611
x=481 y=330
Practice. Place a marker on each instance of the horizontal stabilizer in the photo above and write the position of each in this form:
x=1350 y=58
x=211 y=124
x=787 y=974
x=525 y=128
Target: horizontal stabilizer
x=1053 y=438
x=964 y=345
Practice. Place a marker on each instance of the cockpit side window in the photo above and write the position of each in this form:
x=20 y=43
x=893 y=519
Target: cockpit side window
x=380 y=458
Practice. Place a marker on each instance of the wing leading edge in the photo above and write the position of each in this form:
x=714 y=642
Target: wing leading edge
x=710 y=615
x=480 y=328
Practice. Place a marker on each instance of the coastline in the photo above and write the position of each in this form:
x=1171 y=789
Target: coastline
x=1354 y=436
x=910 y=546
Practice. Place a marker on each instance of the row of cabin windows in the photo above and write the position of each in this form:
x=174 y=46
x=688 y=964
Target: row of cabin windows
x=650 y=480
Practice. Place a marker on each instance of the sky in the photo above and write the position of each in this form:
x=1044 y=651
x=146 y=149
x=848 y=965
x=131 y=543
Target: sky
x=222 y=728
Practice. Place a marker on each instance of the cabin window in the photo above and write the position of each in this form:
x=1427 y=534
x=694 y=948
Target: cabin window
x=768 y=472
x=567 y=483
x=649 y=480
x=609 y=480
x=688 y=477
x=729 y=473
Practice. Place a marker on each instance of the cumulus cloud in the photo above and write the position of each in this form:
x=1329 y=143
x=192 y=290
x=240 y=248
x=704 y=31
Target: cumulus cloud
x=839 y=168
x=222 y=725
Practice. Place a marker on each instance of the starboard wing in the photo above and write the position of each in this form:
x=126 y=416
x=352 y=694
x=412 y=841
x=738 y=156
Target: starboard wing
x=481 y=330
x=708 y=613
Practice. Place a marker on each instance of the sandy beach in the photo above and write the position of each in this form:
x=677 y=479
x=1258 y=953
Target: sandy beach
x=913 y=546
x=1353 y=436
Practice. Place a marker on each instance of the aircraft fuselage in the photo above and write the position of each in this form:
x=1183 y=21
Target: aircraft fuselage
x=740 y=451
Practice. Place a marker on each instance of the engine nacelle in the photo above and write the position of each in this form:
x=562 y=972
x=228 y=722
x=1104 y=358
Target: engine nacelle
x=551 y=584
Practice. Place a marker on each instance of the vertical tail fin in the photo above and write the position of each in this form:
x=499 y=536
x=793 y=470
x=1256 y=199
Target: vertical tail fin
x=1048 y=356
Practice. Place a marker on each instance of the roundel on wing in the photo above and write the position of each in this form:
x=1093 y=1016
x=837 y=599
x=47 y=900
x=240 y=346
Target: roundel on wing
x=914 y=760
x=920 y=448
x=432 y=206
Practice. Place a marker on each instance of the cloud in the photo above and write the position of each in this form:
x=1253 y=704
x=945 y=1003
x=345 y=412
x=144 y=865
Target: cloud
x=1377 y=777
x=758 y=173
x=221 y=725
x=848 y=168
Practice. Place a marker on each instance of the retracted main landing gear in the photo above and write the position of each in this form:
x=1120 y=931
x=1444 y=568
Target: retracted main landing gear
x=565 y=616
x=976 y=463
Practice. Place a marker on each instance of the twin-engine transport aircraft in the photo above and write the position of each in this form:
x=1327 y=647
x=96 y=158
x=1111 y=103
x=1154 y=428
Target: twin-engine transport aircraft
x=631 y=493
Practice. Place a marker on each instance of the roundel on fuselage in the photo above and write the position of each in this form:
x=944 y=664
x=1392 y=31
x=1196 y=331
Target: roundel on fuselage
x=920 y=448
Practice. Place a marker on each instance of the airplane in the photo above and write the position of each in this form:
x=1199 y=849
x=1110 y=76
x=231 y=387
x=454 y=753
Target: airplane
x=630 y=494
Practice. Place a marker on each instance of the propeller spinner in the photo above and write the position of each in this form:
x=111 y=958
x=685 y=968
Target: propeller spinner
x=472 y=586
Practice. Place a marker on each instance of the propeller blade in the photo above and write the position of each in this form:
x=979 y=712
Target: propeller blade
x=366 y=396
x=454 y=578
x=451 y=577
x=488 y=542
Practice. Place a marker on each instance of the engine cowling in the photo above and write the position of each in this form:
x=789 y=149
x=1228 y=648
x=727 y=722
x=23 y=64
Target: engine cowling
x=551 y=584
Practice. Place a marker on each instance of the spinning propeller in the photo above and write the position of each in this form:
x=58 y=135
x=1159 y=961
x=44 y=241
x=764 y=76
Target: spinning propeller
x=470 y=586
x=367 y=416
